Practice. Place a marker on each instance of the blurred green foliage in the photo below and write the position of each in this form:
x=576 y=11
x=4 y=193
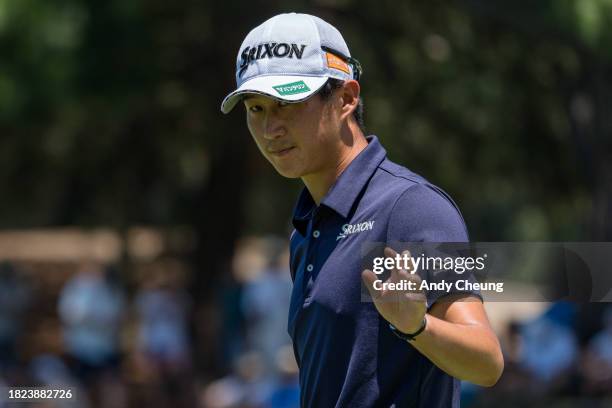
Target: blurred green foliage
x=109 y=112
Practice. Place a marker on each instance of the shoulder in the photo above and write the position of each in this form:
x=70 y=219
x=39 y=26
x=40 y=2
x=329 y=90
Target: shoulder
x=421 y=211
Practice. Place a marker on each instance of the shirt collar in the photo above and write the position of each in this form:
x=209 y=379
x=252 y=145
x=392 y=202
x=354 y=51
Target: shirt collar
x=344 y=192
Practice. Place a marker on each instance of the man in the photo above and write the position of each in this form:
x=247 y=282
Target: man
x=300 y=89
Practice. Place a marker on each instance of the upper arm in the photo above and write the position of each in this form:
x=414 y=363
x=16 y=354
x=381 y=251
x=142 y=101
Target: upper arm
x=424 y=214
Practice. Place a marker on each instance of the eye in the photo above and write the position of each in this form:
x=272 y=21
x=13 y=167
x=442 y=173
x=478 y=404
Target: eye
x=254 y=108
x=282 y=104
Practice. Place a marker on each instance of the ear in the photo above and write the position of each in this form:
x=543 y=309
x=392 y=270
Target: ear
x=349 y=97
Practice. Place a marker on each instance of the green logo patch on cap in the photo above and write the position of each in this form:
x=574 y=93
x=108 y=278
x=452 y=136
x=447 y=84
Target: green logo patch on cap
x=291 y=88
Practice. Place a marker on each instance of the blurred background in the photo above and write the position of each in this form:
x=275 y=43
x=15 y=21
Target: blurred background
x=143 y=256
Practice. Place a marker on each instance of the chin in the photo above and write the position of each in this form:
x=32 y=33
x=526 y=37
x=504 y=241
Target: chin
x=289 y=173
x=287 y=170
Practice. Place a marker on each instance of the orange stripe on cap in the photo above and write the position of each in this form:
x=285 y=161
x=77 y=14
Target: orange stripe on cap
x=336 y=62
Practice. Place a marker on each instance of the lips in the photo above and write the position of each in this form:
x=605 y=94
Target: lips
x=280 y=151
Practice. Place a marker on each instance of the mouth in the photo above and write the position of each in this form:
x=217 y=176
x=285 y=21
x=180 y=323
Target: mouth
x=281 y=152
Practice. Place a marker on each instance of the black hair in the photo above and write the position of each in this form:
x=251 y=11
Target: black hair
x=330 y=86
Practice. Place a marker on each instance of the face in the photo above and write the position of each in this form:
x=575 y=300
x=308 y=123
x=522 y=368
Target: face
x=298 y=139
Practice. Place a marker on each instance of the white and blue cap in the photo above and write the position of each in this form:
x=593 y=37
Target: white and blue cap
x=290 y=57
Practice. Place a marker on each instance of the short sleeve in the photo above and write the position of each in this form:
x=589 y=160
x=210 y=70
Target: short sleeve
x=423 y=214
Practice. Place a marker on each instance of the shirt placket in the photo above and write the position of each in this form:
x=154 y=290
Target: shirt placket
x=312 y=265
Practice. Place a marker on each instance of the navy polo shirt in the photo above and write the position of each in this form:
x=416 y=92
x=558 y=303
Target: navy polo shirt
x=347 y=355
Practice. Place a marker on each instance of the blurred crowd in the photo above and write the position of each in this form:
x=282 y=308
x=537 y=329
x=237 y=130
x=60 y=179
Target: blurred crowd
x=112 y=349
x=123 y=342
x=560 y=357
x=122 y=339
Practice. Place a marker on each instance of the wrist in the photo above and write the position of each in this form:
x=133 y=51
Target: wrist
x=411 y=335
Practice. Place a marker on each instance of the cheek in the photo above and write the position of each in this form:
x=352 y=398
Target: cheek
x=254 y=129
x=331 y=119
x=327 y=129
x=250 y=125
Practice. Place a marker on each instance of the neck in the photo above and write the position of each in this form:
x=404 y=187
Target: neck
x=318 y=184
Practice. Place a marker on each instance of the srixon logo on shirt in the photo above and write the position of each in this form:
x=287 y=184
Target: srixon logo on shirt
x=269 y=50
x=348 y=229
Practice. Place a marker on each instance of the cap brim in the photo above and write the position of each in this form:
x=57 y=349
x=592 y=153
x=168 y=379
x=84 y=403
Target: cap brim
x=282 y=87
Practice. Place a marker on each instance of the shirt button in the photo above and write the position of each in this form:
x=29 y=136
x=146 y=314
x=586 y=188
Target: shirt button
x=309 y=268
x=316 y=234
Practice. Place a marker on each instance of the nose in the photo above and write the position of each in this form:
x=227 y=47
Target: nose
x=273 y=125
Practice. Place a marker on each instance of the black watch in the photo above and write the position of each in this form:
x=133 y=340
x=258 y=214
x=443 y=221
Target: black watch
x=406 y=336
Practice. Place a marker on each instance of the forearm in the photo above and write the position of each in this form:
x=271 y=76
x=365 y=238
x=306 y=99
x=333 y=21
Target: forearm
x=468 y=352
